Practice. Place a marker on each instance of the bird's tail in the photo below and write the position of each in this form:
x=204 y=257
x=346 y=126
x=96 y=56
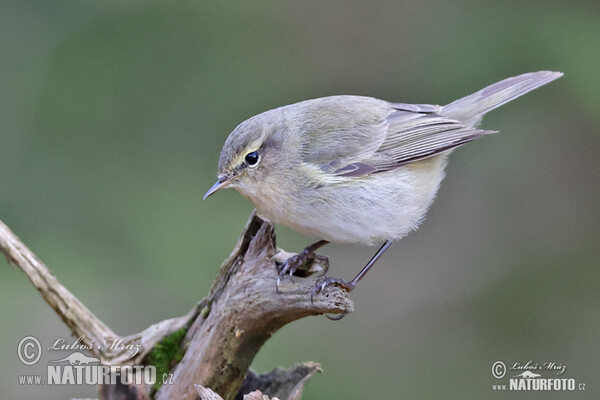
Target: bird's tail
x=470 y=109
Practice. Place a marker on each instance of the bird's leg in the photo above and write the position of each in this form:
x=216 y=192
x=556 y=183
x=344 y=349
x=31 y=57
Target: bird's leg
x=292 y=264
x=349 y=286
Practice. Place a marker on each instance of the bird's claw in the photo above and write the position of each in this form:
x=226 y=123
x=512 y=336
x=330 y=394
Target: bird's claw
x=325 y=281
x=293 y=264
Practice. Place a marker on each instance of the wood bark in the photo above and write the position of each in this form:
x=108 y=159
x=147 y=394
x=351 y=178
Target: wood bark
x=223 y=331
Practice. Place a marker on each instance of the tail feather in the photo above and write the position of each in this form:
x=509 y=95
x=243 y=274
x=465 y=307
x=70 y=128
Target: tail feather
x=470 y=109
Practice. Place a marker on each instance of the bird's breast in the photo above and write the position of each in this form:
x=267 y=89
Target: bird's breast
x=366 y=210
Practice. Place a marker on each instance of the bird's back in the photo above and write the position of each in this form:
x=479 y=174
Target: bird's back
x=357 y=169
x=380 y=164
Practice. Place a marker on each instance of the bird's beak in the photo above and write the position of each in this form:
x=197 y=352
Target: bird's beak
x=218 y=185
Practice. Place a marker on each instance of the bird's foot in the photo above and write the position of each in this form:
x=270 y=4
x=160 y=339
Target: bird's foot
x=300 y=265
x=325 y=281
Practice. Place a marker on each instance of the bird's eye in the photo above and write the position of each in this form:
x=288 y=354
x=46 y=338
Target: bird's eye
x=252 y=158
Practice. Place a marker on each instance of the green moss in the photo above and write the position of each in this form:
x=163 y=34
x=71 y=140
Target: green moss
x=205 y=310
x=165 y=355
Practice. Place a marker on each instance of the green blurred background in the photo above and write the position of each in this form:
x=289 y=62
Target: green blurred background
x=112 y=116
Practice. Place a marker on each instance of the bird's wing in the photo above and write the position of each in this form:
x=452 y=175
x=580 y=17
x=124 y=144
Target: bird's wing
x=415 y=135
x=340 y=130
x=410 y=132
x=362 y=136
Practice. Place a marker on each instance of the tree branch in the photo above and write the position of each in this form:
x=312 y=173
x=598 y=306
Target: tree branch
x=278 y=384
x=80 y=320
x=244 y=311
x=225 y=330
x=78 y=317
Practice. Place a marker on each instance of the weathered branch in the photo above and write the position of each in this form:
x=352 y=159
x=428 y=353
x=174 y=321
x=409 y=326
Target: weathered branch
x=223 y=332
x=243 y=311
x=80 y=320
x=78 y=317
x=282 y=383
x=277 y=384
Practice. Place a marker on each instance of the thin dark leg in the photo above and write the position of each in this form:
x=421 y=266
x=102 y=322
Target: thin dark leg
x=315 y=246
x=349 y=286
x=367 y=267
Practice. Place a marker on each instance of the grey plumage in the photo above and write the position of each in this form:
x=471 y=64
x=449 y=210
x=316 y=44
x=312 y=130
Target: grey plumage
x=356 y=169
x=470 y=109
x=412 y=132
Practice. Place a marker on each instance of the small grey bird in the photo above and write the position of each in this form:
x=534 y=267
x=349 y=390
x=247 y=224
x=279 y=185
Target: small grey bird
x=354 y=169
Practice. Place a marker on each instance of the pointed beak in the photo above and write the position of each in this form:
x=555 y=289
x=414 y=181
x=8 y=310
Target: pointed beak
x=218 y=185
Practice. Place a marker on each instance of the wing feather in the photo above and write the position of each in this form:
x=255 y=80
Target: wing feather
x=413 y=136
x=359 y=136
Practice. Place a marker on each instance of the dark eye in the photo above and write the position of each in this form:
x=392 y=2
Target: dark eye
x=252 y=158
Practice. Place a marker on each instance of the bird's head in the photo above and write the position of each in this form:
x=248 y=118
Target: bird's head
x=252 y=152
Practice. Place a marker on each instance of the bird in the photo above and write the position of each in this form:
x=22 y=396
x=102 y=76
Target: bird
x=354 y=169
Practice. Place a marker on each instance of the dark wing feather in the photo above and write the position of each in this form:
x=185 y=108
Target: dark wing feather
x=358 y=136
x=414 y=132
